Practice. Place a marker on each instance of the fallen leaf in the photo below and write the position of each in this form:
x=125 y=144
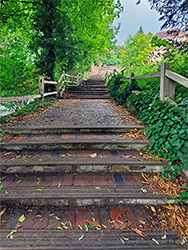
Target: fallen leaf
x=93 y=223
x=22 y=218
x=153 y=209
x=164 y=237
x=145 y=178
x=125 y=225
x=155 y=241
x=11 y=233
x=125 y=238
x=128 y=156
x=144 y=235
x=81 y=237
x=143 y=190
x=93 y=155
x=122 y=240
x=3 y=211
x=143 y=222
x=165 y=150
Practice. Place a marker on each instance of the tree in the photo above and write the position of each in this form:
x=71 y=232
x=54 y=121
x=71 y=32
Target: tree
x=140 y=31
x=136 y=50
x=61 y=34
x=172 y=12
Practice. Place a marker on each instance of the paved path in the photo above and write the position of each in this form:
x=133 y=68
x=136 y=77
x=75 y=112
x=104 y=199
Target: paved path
x=83 y=112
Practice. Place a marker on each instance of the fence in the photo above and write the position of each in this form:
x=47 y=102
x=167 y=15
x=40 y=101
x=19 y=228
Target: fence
x=168 y=80
x=64 y=79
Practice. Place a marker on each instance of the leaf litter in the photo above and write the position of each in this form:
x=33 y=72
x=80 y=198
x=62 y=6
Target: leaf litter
x=170 y=216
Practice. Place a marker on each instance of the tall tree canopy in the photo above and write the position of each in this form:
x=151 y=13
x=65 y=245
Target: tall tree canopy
x=136 y=50
x=60 y=33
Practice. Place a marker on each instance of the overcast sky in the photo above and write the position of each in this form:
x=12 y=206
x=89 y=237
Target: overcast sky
x=135 y=16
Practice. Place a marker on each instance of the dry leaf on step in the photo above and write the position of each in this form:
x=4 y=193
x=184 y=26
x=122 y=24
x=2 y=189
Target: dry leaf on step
x=3 y=211
x=22 y=218
x=93 y=155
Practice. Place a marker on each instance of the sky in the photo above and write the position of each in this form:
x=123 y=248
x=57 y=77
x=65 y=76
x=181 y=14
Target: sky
x=135 y=16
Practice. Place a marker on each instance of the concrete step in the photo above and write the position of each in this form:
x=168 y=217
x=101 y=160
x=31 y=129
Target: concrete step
x=67 y=228
x=86 y=87
x=73 y=239
x=78 y=189
x=86 y=92
x=50 y=129
x=80 y=165
x=43 y=143
x=87 y=97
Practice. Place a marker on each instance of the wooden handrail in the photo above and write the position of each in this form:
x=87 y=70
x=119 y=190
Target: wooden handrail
x=41 y=88
x=177 y=78
x=168 y=79
x=154 y=75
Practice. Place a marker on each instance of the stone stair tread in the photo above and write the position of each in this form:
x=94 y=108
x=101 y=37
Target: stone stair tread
x=72 y=96
x=79 y=193
x=81 y=161
x=62 y=239
x=75 y=143
x=78 y=127
x=43 y=228
x=42 y=141
x=78 y=186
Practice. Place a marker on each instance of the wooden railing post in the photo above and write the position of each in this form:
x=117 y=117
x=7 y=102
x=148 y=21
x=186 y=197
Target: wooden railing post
x=57 y=89
x=63 y=76
x=131 y=78
x=41 y=89
x=167 y=85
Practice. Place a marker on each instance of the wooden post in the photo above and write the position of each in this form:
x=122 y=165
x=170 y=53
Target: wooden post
x=167 y=86
x=63 y=76
x=41 y=90
x=131 y=78
x=57 y=89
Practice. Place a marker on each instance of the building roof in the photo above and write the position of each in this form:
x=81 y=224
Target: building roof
x=170 y=34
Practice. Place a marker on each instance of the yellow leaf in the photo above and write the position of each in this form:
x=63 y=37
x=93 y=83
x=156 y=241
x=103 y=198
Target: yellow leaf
x=146 y=179
x=22 y=218
x=128 y=156
x=3 y=211
x=93 y=155
x=155 y=241
x=122 y=240
x=81 y=237
x=153 y=209
x=144 y=235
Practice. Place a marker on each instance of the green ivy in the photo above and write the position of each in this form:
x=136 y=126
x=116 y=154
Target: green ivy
x=167 y=127
x=167 y=124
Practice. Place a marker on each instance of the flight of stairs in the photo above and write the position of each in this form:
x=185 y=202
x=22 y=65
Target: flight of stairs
x=88 y=89
x=78 y=187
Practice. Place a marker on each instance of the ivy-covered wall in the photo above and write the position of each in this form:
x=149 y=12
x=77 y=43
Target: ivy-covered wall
x=167 y=124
